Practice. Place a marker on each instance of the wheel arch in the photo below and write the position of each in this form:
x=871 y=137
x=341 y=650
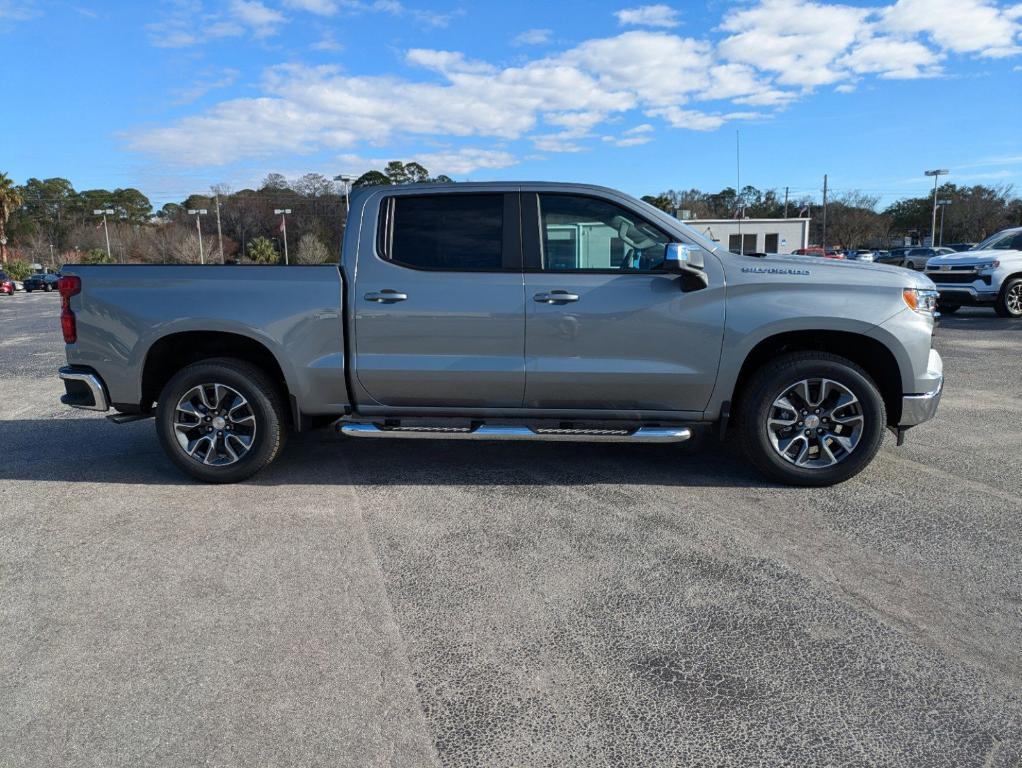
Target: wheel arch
x=172 y=352
x=871 y=355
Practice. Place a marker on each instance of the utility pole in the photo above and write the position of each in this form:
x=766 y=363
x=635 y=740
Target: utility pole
x=283 y=213
x=104 y=212
x=785 y=202
x=824 y=214
x=738 y=179
x=936 y=174
x=198 y=214
x=219 y=231
x=53 y=262
x=943 y=204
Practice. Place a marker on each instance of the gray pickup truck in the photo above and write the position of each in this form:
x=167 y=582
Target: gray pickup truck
x=510 y=311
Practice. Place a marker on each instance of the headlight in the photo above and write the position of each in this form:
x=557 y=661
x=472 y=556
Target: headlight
x=923 y=301
x=989 y=266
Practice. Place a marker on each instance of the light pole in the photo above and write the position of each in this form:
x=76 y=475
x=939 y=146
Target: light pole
x=936 y=174
x=345 y=181
x=104 y=212
x=283 y=213
x=943 y=204
x=219 y=230
x=198 y=213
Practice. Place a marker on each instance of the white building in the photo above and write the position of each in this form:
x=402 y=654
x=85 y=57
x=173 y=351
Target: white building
x=755 y=235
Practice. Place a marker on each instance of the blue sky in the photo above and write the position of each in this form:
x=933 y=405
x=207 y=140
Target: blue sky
x=174 y=96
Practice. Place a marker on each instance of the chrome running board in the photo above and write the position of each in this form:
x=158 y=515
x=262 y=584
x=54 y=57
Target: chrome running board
x=641 y=435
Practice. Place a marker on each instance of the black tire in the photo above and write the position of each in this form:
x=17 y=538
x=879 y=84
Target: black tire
x=910 y=265
x=771 y=380
x=266 y=406
x=1007 y=300
x=47 y=287
x=27 y=289
x=948 y=309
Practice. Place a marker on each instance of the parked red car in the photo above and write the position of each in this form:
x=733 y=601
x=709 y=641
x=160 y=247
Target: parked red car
x=6 y=284
x=818 y=251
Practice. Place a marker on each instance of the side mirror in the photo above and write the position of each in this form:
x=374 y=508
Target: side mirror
x=687 y=261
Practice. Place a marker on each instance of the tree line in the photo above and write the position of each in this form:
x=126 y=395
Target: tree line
x=852 y=217
x=47 y=221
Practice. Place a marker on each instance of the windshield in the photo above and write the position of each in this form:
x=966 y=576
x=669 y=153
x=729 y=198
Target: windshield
x=1002 y=241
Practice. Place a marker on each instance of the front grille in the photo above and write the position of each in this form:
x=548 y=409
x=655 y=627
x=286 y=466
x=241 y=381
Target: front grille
x=957 y=278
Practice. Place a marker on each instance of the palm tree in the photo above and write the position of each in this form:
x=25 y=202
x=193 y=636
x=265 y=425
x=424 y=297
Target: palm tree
x=10 y=199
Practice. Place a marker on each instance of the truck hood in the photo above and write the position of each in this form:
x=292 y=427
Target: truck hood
x=968 y=258
x=886 y=274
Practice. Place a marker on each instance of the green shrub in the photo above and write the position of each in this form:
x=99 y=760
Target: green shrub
x=261 y=251
x=18 y=269
x=97 y=256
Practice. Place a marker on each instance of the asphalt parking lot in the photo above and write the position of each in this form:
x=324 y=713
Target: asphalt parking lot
x=386 y=603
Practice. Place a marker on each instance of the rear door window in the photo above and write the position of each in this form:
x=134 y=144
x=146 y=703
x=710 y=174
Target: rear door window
x=450 y=232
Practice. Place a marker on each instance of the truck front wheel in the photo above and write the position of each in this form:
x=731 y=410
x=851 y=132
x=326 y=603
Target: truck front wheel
x=220 y=421
x=1009 y=302
x=811 y=419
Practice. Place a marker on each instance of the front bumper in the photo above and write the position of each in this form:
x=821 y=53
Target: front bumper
x=917 y=408
x=83 y=389
x=977 y=292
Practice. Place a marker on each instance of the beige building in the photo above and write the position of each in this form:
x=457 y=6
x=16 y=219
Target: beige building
x=755 y=235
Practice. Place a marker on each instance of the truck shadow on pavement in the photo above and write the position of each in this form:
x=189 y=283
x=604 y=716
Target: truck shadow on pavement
x=93 y=450
x=978 y=320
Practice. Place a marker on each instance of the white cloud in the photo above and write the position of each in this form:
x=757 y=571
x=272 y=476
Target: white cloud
x=797 y=40
x=190 y=24
x=695 y=120
x=632 y=137
x=327 y=43
x=892 y=59
x=961 y=26
x=263 y=21
x=319 y=7
x=18 y=10
x=466 y=160
x=765 y=56
x=648 y=16
x=532 y=37
x=203 y=84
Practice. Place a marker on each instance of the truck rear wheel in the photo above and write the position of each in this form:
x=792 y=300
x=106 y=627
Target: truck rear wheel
x=221 y=420
x=811 y=419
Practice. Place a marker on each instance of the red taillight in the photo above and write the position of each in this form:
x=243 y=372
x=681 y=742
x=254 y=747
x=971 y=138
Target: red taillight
x=68 y=287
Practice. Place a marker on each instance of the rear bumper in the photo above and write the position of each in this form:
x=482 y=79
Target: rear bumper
x=83 y=389
x=917 y=408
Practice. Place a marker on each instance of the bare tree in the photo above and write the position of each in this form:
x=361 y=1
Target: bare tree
x=311 y=250
x=852 y=219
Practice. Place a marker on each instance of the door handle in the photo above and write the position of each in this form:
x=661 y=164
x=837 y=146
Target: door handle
x=386 y=296
x=555 y=297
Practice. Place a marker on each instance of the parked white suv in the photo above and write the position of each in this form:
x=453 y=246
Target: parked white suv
x=989 y=275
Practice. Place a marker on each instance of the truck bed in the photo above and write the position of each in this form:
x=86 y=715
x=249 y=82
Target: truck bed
x=127 y=313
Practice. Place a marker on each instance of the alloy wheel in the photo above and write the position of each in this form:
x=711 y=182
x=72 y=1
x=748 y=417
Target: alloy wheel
x=815 y=423
x=214 y=424
x=1013 y=299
